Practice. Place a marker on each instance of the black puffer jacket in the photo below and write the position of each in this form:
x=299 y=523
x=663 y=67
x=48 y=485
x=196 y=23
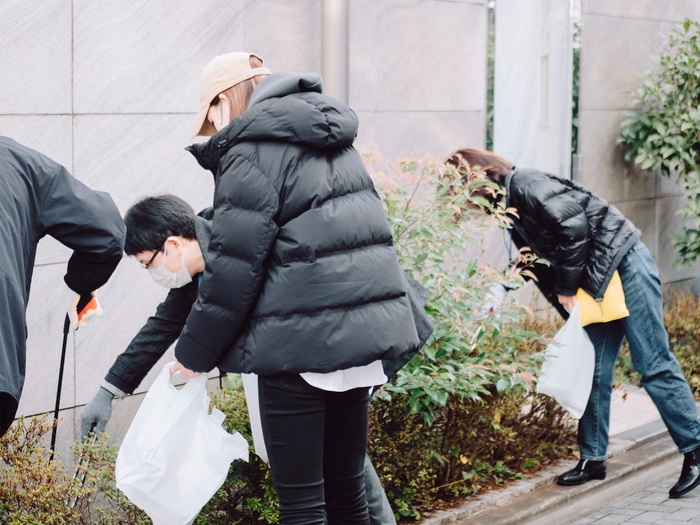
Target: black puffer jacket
x=301 y=274
x=584 y=237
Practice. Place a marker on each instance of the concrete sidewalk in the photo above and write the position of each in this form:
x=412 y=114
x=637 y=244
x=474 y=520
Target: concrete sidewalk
x=631 y=408
x=641 y=497
x=639 y=441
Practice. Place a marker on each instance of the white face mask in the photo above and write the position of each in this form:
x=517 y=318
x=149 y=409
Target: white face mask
x=165 y=277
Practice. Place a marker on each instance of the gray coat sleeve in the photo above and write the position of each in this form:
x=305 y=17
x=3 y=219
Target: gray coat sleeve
x=89 y=223
x=152 y=341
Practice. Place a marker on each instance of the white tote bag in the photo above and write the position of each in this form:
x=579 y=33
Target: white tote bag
x=567 y=372
x=250 y=386
x=176 y=455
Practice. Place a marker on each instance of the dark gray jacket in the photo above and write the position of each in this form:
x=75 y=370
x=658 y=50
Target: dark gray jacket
x=163 y=329
x=302 y=275
x=39 y=197
x=583 y=236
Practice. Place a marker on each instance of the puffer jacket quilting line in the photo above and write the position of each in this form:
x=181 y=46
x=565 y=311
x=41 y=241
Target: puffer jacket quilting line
x=321 y=203
x=547 y=206
x=259 y=271
x=276 y=204
x=357 y=305
x=356 y=248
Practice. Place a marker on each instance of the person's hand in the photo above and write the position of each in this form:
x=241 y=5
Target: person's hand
x=567 y=301
x=96 y=413
x=185 y=373
x=80 y=308
x=86 y=308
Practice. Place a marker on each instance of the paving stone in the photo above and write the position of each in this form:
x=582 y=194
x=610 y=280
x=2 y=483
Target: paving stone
x=629 y=500
x=653 y=508
x=685 y=503
x=669 y=521
x=685 y=514
x=662 y=487
x=624 y=511
x=599 y=514
x=606 y=511
x=651 y=505
x=652 y=517
x=613 y=519
x=654 y=499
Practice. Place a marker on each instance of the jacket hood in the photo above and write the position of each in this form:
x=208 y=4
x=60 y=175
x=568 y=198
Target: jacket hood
x=285 y=83
x=285 y=107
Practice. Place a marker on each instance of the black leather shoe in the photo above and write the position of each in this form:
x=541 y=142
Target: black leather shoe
x=690 y=475
x=584 y=471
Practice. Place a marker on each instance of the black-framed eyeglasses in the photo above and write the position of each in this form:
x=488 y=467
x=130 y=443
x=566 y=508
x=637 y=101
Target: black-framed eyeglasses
x=146 y=265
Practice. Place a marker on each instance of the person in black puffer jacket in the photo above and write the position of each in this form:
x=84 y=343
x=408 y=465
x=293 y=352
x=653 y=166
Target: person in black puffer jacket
x=586 y=239
x=302 y=284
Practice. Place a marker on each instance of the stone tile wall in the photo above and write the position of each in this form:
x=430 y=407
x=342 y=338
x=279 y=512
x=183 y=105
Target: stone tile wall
x=418 y=74
x=619 y=37
x=110 y=90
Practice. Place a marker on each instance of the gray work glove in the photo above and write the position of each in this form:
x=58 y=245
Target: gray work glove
x=96 y=413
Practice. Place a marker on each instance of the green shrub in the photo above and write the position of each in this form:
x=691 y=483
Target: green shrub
x=664 y=132
x=37 y=491
x=460 y=416
x=471 y=445
x=32 y=488
x=682 y=318
x=433 y=218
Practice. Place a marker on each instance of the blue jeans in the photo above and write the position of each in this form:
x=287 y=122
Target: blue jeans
x=651 y=356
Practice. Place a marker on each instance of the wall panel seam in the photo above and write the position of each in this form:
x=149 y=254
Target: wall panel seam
x=605 y=15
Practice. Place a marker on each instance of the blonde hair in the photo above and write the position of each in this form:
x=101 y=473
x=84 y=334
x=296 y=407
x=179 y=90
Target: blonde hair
x=238 y=96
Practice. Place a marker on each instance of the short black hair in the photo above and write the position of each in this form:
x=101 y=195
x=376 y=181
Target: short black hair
x=151 y=220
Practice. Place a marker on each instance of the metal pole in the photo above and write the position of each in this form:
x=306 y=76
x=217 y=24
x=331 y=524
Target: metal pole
x=66 y=331
x=335 y=37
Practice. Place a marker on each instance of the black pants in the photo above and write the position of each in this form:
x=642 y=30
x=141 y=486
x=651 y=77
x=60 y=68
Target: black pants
x=8 y=410
x=316 y=443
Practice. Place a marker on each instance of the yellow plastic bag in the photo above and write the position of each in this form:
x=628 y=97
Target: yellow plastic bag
x=612 y=307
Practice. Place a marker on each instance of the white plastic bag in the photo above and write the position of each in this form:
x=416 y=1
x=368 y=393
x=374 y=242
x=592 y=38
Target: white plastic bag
x=567 y=372
x=250 y=385
x=176 y=455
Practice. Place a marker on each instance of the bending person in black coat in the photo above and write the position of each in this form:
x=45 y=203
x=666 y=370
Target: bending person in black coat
x=39 y=197
x=302 y=284
x=585 y=239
